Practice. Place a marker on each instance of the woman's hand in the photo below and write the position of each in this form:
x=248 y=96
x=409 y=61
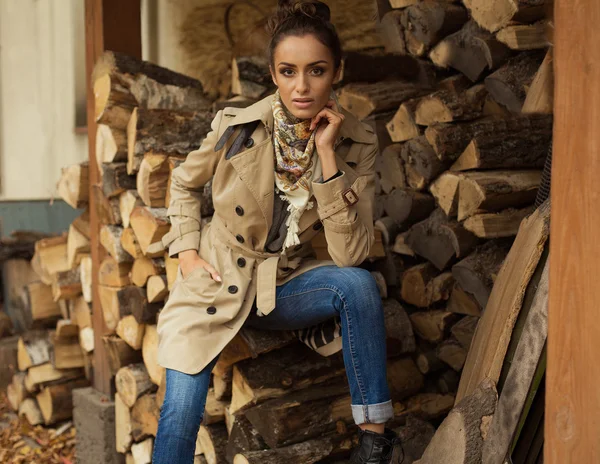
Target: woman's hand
x=189 y=260
x=328 y=122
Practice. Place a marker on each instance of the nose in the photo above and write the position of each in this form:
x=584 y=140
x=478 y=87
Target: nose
x=302 y=87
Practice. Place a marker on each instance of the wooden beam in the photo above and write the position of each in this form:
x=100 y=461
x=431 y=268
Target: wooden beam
x=109 y=25
x=572 y=400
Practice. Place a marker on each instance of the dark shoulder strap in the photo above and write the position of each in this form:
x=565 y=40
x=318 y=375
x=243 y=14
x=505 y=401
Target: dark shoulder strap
x=246 y=131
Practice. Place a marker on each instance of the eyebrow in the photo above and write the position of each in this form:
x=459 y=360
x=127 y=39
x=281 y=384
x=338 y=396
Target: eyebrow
x=309 y=64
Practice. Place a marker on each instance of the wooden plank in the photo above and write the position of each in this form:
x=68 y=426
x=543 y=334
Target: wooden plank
x=520 y=376
x=573 y=401
x=494 y=331
x=109 y=25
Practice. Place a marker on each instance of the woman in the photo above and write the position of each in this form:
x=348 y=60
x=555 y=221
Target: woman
x=283 y=168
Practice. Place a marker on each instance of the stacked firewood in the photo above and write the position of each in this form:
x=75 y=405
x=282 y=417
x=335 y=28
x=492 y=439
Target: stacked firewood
x=54 y=353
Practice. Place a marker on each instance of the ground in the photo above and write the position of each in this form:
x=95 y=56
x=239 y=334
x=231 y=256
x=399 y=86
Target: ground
x=23 y=443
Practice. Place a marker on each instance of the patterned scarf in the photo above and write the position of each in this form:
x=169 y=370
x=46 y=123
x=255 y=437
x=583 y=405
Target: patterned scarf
x=297 y=164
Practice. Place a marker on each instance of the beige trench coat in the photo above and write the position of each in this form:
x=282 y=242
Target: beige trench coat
x=201 y=315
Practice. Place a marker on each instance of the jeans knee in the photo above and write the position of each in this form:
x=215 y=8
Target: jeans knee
x=359 y=289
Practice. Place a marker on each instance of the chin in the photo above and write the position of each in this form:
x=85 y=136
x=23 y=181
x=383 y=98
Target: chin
x=307 y=113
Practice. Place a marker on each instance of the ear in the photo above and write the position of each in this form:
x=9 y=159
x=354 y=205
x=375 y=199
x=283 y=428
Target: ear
x=273 y=75
x=338 y=74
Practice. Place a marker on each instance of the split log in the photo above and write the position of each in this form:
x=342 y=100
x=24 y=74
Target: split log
x=82 y=223
x=128 y=200
x=74 y=185
x=157 y=290
x=524 y=36
x=222 y=385
x=31 y=411
x=471 y=51
x=45 y=374
x=67 y=285
x=149 y=225
x=122 y=82
x=278 y=373
x=120 y=302
x=85 y=273
x=66 y=352
x=433 y=325
x=509 y=84
x=499 y=14
x=496 y=190
x=145 y=267
x=150 y=354
x=392 y=32
x=132 y=382
x=164 y=132
x=449 y=106
x=497 y=225
x=302 y=415
x=427 y=406
x=445 y=191
x=403 y=127
x=440 y=240
x=419 y=156
x=131 y=331
x=107 y=209
x=119 y=353
x=152 y=179
x=407 y=206
x=50 y=257
x=243 y=437
x=110 y=239
x=33 y=349
x=40 y=302
x=540 y=96
x=144 y=417
x=363 y=100
x=78 y=245
x=66 y=328
x=404 y=379
x=250 y=76
x=81 y=313
x=123 y=437
x=464 y=330
x=16 y=391
x=423 y=285
x=414 y=435
x=400 y=245
x=392 y=168
x=452 y=353
x=111 y=144
x=115 y=179
x=307 y=452
x=426 y=23
x=56 y=401
x=461 y=302
x=86 y=341
x=130 y=243
x=213 y=441
x=476 y=273
x=447 y=382
x=427 y=361
x=459 y=438
x=214 y=409
x=400 y=339
x=142 y=452
x=114 y=274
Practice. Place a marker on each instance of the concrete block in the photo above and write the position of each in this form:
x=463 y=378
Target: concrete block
x=94 y=419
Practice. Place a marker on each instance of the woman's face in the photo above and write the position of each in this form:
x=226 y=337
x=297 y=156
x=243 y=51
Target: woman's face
x=304 y=73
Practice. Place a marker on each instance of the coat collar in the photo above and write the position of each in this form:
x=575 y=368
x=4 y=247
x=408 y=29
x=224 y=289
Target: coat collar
x=351 y=128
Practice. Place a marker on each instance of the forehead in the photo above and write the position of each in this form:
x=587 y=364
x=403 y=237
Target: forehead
x=301 y=51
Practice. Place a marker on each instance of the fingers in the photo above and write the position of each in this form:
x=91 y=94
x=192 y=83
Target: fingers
x=332 y=117
x=213 y=272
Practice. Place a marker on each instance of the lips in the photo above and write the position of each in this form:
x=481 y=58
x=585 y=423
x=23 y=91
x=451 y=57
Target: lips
x=302 y=102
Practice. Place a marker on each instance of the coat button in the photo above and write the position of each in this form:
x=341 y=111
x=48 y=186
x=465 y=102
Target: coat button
x=239 y=210
x=239 y=238
x=249 y=143
x=318 y=226
x=211 y=310
x=233 y=289
x=241 y=262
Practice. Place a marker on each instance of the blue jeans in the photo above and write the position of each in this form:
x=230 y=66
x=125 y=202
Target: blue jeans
x=304 y=301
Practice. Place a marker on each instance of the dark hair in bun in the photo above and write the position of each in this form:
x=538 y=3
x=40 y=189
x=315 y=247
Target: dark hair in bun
x=303 y=17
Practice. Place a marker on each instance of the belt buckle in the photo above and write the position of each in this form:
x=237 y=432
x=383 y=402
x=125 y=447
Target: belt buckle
x=350 y=196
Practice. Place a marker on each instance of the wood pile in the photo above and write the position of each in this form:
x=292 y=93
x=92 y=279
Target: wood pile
x=463 y=115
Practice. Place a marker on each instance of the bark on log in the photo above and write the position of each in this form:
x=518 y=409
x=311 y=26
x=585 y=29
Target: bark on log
x=67 y=285
x=110 y=239
x=213 y=440
x=449 y=106
x=496 y=190
x=107 y=209
x=307 y=452
x=452 y=353
x=243 y=437
x=114 y=274
x=250 y=76
x=115 y=179
x=423 y=285
x=400 y=339
x=471 y=51
x=56 y=401
x=419 y=156
x=392 y=168
x=144 y=417
x=123 y=437
x=496 y=15
x=524 y=36
x=33 y=349
x=427 y=361
x=74 y=184
x=122 y=82
x=131 y=331
x=461 y=302
x=464 y=330
x=509 y=84
x=407 y=207
x=119 y=353
x=392 y=32
x=440 y=240
x=427 y=406
x=433 y=325
x=403 y=126
x=497 y=225
x=132 y=382
x=404 y=378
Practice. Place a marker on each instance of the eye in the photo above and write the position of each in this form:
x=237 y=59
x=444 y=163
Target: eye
x=317 y=71
x=286 y=72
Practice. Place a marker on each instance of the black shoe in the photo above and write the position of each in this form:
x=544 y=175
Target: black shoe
x=378 y=448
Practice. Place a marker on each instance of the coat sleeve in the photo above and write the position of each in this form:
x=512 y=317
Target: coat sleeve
x=349 y=230
x=187 y=183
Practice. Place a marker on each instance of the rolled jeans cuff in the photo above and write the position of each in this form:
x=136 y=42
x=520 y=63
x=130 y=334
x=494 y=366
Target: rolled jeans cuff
x=378 y=413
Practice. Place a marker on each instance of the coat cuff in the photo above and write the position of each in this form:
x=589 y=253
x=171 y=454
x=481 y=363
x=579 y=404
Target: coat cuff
x=330 y=199
x=189 y=241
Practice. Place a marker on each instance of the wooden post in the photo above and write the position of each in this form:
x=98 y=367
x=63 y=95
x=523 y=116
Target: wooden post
x=572 y=418
x=109 y=25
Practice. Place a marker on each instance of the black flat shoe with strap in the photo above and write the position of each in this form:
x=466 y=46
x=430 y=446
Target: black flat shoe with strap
x=378 y=448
